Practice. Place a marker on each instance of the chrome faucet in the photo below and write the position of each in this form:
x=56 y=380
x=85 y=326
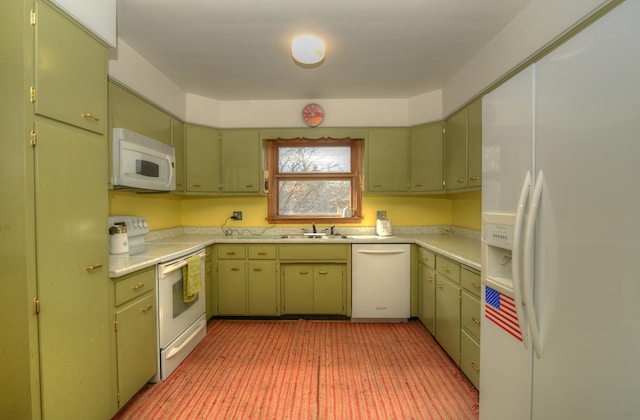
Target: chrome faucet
x=313 y=225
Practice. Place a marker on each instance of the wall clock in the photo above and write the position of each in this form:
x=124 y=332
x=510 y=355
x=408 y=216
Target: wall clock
x=313 y=115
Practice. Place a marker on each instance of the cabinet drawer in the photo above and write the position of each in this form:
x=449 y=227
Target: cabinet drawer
x=259 y=252
x=448 y=267
x=470 y=280
x=470 y=314
x=135 y=284
x=231 y=252
x=470 y=358
x=314 y=252
x=426 y=257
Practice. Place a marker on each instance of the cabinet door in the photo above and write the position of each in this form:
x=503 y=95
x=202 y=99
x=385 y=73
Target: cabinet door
x=427 y=158
x=241 y=164
x=474 y=143
x=232 y=287
x=329 y=289
x=177 y=141
x=211 y=283
x=387 y=160
x=127 y=110
x=75 y=325
x=202 y=154
x=455 y=151
x=297 y=285
x=70 y=72
x=427 y=286
x=448 y=316
x=137 y=345
x=263 y=288
x=470 y=314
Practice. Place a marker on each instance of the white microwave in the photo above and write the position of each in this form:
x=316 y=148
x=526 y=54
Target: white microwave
x=142 y=163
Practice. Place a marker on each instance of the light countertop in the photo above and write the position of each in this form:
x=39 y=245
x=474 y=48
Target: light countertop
x=464 y=248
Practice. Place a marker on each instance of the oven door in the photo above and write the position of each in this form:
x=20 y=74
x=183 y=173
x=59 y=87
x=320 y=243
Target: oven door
x=174 y=314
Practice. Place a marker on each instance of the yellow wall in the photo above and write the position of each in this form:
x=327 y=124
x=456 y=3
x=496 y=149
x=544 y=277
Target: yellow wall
x=466 y=209
x=170 y=210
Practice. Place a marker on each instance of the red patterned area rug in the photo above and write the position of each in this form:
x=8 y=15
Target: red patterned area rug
x=311 y=370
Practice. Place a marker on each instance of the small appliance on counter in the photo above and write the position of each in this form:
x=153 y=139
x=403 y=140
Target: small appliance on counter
x=118 y=239
x=383 y=227
x=135 y=227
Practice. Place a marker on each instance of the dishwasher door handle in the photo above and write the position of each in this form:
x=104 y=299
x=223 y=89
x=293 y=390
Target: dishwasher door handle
x=381 y=252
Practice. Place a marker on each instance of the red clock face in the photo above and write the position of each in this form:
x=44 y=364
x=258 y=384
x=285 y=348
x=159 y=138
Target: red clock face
x=313 y=115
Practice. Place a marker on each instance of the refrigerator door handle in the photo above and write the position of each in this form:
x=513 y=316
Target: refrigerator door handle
x=517 y=256
x=528 y=267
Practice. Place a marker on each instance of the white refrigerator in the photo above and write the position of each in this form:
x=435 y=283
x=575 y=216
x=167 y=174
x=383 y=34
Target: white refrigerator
x=561 y=231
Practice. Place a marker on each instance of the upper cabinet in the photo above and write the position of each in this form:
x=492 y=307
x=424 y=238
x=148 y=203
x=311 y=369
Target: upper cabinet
x=70 y=72
x=387 y=160
x=222 y=161
x=463 y=148
x=240 y=161
x=426 y=158
x=99 y=16
x=177 y=141
x=202 y=152
x=127 y=110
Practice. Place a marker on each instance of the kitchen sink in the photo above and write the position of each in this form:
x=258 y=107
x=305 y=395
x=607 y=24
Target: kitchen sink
x=312 y=236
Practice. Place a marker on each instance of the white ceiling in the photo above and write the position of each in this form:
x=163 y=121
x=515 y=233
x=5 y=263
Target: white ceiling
x=240 y=49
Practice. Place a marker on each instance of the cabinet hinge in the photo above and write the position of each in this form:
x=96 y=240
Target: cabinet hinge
x=33 y=138
x=32 y=94
x=36 y=305
x=115 y=326
x=118 y=397
x=444 y=130
x=32 y=17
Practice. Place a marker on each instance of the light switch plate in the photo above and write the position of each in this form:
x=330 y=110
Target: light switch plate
x=381 y=215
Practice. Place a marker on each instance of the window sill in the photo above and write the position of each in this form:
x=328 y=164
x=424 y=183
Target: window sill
x=311 y=219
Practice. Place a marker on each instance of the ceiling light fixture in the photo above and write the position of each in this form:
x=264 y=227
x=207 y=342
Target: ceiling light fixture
x=307 y=49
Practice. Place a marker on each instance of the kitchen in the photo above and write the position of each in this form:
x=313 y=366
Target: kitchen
x=170 y=211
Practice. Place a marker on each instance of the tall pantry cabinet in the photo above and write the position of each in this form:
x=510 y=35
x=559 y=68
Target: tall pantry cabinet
x=54 y=318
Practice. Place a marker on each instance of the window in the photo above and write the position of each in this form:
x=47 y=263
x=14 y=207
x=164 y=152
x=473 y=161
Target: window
x=314 y=179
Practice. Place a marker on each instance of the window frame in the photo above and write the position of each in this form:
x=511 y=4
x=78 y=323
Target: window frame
x=274 y=176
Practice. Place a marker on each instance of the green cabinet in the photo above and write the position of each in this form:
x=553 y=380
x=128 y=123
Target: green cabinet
x=240 y=161
x=177 y=141
x=463 y=148
x=448 y=306
x=202 y=151
x=247 y=280
x=130 y=111
x=314 y=289
x=387 y=160
x=136 y=332
x=427 y=289
x=426 y=158
x=470 y=325
x=70 y=72
x=222 y=161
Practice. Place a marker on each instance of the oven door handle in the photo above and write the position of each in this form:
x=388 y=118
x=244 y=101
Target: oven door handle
x=174 y=351
x=165 y=269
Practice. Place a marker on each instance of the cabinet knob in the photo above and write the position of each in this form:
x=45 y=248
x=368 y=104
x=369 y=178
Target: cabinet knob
x=93 y=267
x=322 y=272
x=475 y=367
x=89 y=116
x=138 y=286
x=303 y=273
x=147 y=308
x=195 y=185
x=440 y=286
x=461 y=180
x=476 y=320
x=475 y=284
x=377 y=185
x=262 y=253
x=235 y=269
x=475 y=178
x=257 y=269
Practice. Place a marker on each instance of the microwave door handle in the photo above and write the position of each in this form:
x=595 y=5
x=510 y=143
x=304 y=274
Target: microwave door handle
x=165 y=269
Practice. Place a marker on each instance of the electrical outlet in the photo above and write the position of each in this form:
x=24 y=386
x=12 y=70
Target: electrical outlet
x=237 y=215
x=381 y=214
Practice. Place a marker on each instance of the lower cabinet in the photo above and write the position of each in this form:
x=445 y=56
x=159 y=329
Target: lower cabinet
x=135 y=327
x=314 y=289
x=470 y=325
x=247 y=279
x=449 y=307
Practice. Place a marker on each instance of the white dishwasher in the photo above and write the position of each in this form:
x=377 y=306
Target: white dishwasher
x=380 y=282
